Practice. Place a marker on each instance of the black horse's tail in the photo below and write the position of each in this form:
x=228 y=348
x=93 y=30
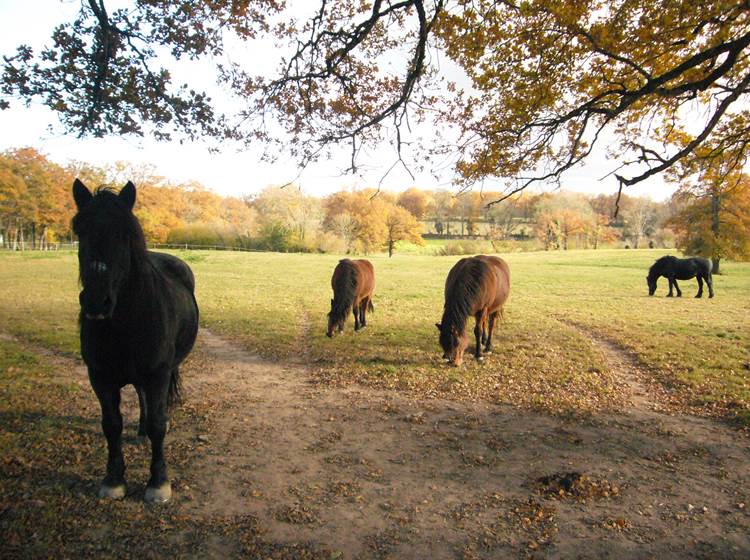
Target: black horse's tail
x=344 y=290
x=174 y=395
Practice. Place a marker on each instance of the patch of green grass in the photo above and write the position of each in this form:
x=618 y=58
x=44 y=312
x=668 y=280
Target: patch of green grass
x=276 y=305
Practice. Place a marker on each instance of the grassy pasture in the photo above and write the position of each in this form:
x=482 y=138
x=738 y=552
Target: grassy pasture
x=276 y=305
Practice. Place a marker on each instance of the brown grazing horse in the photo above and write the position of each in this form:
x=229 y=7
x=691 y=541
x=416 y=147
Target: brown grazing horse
x=353 y=283
x=477 y=286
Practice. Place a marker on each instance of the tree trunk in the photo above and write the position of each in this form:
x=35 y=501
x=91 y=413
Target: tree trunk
x=390 y=248
x=715 y=207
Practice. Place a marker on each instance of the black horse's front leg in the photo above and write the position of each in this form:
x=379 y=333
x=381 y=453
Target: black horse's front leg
x=159 y=489
x=700 y=287
x=676 y=287
x=113 y=485
x=670 y=294
x=143 y=412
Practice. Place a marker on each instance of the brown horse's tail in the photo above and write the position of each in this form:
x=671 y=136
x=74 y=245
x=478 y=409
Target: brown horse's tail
x=370 y=306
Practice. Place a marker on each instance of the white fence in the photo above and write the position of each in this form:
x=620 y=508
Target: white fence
x=28 y=246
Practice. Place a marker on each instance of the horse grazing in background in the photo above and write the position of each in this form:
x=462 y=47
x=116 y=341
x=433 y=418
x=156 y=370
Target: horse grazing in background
x=681 y=269
x=353 y=282
x=479 y=287
x=138 y=319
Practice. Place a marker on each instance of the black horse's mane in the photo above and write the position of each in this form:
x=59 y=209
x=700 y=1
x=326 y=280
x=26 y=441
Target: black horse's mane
x=344 y=291
x=659 y=264
x=459 y=300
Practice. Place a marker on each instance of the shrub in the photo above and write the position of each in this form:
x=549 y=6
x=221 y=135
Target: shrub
x=465 y=247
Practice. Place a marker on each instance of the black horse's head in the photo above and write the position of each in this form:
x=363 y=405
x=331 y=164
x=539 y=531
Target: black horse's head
x=453 y=342
x=108 y=236
x=651 y=281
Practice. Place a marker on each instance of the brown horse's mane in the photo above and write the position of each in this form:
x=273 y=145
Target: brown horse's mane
x=459 y=300
x=344 y=291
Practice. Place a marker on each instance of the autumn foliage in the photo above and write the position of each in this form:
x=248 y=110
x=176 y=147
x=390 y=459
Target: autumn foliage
x=36 y=208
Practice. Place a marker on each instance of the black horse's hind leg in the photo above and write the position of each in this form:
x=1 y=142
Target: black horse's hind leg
x=113 y=485
x=710 y=282
x=143 y=412
x=700 y=286
x=355 y=311
x=670 y=294
x=676 y=287
x=490 y=329
x=158 y=489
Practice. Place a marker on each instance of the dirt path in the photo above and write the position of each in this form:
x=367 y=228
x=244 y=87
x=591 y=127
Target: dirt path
x=267 y=464
x=370 y=474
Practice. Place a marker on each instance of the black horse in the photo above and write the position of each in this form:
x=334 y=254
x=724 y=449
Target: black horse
x=681 y=269
x=139 y=320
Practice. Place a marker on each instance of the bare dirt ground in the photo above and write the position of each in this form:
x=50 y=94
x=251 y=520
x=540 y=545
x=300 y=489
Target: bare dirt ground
x=311 y=471
x=376 y=474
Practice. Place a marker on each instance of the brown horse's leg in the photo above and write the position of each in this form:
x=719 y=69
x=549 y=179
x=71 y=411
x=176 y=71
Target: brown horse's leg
x=363 y=312
x=478 y=328
x=490 y=330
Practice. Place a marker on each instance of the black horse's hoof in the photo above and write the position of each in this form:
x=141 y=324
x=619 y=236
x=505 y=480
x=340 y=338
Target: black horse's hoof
x=116 y=492
x=159 y=495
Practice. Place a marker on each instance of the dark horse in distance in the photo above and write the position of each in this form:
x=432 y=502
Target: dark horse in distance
x=681 y=269
x=353 y=282
x=139 y=320
x=479 y=287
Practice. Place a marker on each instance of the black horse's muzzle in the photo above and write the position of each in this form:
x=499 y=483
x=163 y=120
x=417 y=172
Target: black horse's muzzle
x=96 y=308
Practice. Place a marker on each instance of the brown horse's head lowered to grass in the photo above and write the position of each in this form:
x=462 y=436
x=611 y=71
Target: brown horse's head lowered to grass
x=353 y=282
x=479 y=287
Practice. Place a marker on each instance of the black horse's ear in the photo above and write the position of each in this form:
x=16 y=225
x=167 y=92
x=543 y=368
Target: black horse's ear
x=127 y=195
x=439 y=326
x=81 y=194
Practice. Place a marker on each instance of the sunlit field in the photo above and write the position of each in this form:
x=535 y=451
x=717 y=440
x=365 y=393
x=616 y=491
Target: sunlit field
x=698 y=351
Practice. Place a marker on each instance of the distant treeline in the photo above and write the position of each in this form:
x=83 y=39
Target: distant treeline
x=36 y=208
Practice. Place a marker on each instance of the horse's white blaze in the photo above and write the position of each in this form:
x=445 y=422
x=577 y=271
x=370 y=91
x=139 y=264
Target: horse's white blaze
x=98 y=266
x=112 y=492
x=159 y=495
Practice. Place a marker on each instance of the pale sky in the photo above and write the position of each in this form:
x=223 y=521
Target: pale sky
x=230 y=172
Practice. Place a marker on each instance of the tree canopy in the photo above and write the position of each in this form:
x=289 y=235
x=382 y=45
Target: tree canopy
x=525 y=89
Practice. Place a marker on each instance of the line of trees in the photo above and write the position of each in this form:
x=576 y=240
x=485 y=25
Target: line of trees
x=708 y=216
